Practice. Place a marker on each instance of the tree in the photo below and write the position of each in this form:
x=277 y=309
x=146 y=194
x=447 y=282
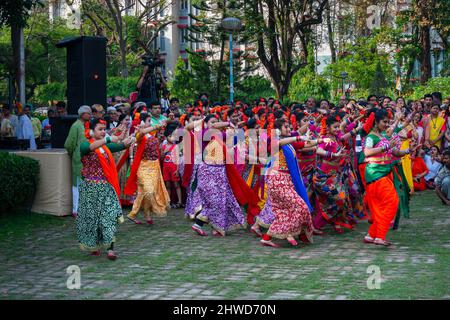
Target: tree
x=306 y=83
x=188 y=83
x=281 y=30
x=14 y=13
x=361 y=61
x=111 y=18
x=207 y=31
x=379 y=83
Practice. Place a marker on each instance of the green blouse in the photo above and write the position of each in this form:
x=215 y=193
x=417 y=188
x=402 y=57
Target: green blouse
x=376 y=171
x=113 y=147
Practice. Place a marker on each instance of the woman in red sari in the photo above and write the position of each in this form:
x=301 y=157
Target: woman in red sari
x=419 y=171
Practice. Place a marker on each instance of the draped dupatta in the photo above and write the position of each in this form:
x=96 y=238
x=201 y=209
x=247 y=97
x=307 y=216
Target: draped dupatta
x=131 y=184
x=291 y=161
x=108 y=166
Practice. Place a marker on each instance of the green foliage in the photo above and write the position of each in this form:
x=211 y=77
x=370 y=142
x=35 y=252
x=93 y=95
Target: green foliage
x=252 y=88
x=46 y=93
x=16 y=12
x=115 y=86
x=44 y=63
x=18 y=181
x=118 y=86
x=379 y=83
x=440 y=84
x=360 y=61
x=188 y=83
x=307 y=84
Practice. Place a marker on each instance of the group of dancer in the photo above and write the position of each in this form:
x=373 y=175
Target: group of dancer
x=282 y=172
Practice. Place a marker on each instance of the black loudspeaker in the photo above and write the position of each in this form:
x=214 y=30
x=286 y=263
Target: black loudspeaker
x=60 y=127
x=86 y=71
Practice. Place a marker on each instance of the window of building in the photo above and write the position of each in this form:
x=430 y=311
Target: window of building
x=162 y=41
x=184 y=5
x=183 y=35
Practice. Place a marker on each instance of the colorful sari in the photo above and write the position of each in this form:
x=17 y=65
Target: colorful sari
x=287 y=210
x=381 y=193
x=331 y=193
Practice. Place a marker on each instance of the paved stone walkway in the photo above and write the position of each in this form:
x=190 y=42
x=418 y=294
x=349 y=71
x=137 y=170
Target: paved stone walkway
x=168 y=261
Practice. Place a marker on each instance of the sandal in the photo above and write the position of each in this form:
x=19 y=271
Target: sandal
x=292 y=242
x=111 y=255
x=338 y=230
x=382 y=242
x=199 y=231
x=136 y=221
x=318 y=232
x=368 y=239
x=149 y=222
x=269 y=243
x=95 y=253
x=304 y=238
x=216 y=233
x=256 y=232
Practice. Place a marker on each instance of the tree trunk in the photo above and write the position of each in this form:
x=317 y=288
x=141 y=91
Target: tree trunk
x=330 y=35
x=220 y=69
x=123 y=58
x=410 y=70
x=281 y=87
x=425 y=56
x=18 y=45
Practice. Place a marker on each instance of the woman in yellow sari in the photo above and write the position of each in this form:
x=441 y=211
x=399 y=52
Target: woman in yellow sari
x=146 y=176
x=406 y=134
x=435 y=128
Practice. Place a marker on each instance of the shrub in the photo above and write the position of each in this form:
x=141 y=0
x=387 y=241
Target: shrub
x=45 y=93
x=18 y=181
x=118 y=86
x=440 y=84
x=253 y=87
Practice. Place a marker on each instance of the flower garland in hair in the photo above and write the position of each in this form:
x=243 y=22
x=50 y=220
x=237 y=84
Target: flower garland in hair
x=270 y=123
x=368 y=125
x=293 y=121
x=390 y=115
x=183 y=119
x=87 y=130
x=323 y=126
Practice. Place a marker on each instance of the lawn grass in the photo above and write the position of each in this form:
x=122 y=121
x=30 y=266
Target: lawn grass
x=167 y=256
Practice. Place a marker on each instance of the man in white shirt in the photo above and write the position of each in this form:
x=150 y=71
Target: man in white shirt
x=113 y=116
x=25 y=129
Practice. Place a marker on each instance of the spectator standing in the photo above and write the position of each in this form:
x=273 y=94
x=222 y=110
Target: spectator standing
x=72 y=145
x=35 y=122
x=113 y=117
x=98 y=112
x=435 y=128
x=6 y=127
x=25 y=128
x=61 y=109
x=165 y=102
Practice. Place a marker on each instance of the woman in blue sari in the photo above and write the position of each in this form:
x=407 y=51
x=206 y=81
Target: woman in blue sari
x=287 y=212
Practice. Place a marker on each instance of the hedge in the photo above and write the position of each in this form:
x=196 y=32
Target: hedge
x=19 y=178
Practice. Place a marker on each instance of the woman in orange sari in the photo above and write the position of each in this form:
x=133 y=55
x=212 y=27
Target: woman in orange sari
x=381 y=195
